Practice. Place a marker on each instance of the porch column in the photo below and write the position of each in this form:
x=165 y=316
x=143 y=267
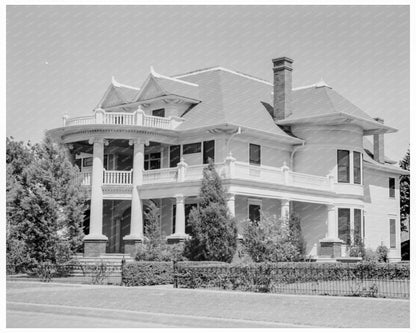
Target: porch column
x=231 y=203
x=330 y=246
x=285 y=209
x=135 y=238
x=95 y=242
x=179 y=234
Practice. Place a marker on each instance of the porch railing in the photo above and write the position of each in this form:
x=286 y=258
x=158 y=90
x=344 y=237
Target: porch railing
x=136 y=118
x=115 y=177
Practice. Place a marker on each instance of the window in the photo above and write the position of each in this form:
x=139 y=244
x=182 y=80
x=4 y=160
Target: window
x=254 y=211
x=357 y=167
x=344 y=231
x=158 y=113
x=152 y=161
x=87 y=162
x=357 y=225
x=343 y=166
x=192 y=148
x=392 y=233
x=255 y=156
x=209 y=151
x=392 y=187
x=109 y=162
x=188 y=208
x=174 y=155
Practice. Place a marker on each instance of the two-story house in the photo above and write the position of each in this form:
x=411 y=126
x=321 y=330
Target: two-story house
x=278 y=150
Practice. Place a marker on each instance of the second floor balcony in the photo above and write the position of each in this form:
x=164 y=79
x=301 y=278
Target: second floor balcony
x=228 y=170
x=136 y=118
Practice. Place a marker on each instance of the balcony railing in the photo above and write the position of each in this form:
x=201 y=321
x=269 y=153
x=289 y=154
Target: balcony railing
x=227 y=170
x=136 y=118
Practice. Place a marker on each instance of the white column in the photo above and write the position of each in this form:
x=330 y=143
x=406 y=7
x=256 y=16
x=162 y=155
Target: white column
x=285 y=209
x=180 y=215
x=332 y=223
x=231 y=203
x=96 y=217
x=136 y=222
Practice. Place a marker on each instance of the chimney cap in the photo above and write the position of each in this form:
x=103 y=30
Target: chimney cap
x=282 y=63
x=279 y=60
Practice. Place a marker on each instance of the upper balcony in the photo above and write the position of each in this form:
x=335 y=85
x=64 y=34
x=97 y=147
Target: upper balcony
x=228 y=170
x=136 y=118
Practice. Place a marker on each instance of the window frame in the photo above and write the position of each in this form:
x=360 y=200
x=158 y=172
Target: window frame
x=355 y=167
x=187 y=145
x=254 y=202
x=348 y=167
x=159 y=110
x=348 y=233
x=146 y=161
x=392 y=189
x=393 y=223
x=250 y=160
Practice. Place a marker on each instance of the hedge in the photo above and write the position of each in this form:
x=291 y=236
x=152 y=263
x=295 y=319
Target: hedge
x=147 y=273
x=261 y=277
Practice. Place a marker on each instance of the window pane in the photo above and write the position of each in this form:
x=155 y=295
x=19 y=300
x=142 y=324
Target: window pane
x=357 y=225
x=158 y=113
x=209 y=151
x=344 y=231
x=174 y=156
x=254 y=213
x=192 y=148
x=87 y=162
x=255 y=154
x=343 y=166
x=392 y=187
x=392 y=233
x=154 y=164
x=357 y=168
x=173 y=219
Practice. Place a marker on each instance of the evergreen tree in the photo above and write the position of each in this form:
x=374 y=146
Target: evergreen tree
x=45 y=203
x=213 y=230
x=405 y=192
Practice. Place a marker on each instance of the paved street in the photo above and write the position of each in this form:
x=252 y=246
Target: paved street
x=36 y=304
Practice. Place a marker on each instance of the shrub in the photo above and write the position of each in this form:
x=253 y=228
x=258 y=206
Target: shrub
x=358 y=249
x=213 y=231
x=273 y=239
x=147 y=273
x=370 y=256
x=382 y=253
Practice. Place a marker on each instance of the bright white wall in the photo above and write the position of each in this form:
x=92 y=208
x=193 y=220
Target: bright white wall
x=379 y=209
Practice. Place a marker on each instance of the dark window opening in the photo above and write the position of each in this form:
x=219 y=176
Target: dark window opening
x=344 y=231
x=392 y=233
x=254 y=212
x=392 y=187
x=174 y=155
x=209 y=151
x=158 y=113
x=357 y=168
x=357 y=225
x=87 y=162
x=255 y=154
x=192 y=148
x=152 y=161
x=343 y=166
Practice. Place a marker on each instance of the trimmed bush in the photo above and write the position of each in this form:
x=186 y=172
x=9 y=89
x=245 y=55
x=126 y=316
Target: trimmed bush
x=147 y=273
x=262 y=277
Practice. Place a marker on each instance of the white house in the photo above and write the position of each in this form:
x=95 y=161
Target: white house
x=278 y=150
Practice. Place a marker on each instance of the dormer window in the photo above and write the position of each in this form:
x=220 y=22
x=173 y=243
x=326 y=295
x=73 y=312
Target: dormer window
x=158 y=113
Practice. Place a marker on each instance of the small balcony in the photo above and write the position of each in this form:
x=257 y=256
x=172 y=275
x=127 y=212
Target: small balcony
x=136 y=118
x=230 y=169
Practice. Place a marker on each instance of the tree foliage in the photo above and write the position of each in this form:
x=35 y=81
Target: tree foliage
x=45 y=203
x=274 y=239
x=213 y=230
x=405 y=193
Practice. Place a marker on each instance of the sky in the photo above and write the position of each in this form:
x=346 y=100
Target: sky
x=60 y=59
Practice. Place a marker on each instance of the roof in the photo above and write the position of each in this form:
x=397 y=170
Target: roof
x=117 y=94
x=228 y=98
x=320 y=102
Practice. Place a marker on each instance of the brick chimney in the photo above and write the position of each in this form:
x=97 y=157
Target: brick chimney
x=378 y=140
x=282 y=87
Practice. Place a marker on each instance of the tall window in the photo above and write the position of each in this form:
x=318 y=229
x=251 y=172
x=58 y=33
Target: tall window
x=255 y=156
x=158 y=113
x=209 y=151
x=343 y=166
x=174 y=155
x=392 y=233
x=357 y=167
x=152 y=161
x=357 y=225
x=392 y=187
x=344 y=230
